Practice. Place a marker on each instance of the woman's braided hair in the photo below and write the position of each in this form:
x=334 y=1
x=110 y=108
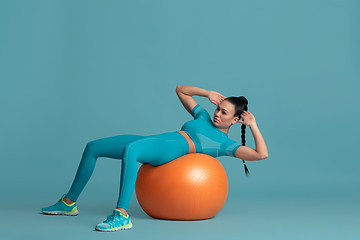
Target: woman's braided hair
x=240 y=104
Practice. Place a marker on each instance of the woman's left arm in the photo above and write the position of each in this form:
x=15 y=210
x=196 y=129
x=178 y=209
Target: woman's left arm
x=186 y=93
x=247 y=153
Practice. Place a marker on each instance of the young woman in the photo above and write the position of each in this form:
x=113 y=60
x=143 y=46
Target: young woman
x=201 y=135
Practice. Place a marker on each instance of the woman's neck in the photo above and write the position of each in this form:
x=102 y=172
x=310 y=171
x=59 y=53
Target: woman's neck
x=225 y=130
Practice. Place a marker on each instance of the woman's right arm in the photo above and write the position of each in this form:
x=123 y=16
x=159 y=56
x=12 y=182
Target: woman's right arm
x=247 y=153
x=185 y=94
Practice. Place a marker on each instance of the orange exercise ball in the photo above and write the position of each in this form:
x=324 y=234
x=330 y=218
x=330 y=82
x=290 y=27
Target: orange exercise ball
x=191 y=187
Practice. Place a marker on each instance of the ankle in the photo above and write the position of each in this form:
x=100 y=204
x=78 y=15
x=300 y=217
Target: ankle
x=68 y=201
x=124 y=212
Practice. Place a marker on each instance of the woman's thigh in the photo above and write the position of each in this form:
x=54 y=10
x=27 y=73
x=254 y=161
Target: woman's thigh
x=159 y=149
x=111 y=147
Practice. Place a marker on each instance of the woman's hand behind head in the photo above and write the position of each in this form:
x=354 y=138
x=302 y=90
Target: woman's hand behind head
x=248 y=118
x=215 y=97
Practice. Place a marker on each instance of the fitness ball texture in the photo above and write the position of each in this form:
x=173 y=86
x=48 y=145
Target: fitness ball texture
x=191 y=187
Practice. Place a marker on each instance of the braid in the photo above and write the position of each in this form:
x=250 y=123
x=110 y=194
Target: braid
x=240 y=104
x=243 y=126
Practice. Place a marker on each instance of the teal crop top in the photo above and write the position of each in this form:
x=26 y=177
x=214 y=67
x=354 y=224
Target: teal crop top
x=208 y=139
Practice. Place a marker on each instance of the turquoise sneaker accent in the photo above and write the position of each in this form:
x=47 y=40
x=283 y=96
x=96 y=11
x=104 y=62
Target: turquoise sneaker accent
x=114 y=222
x=61 y=208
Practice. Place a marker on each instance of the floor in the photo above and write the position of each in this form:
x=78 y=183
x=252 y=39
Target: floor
x=256 y=216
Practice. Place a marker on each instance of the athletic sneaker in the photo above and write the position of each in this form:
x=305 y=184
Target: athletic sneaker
x=115 y=221
x=61 y=208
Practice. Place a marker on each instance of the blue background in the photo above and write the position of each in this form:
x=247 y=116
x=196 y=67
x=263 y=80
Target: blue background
x=76 y=71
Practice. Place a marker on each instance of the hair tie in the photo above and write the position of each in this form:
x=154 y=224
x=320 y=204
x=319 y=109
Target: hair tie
x=242 y=100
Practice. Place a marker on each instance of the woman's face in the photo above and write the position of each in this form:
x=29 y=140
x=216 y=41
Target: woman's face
x=224 y=115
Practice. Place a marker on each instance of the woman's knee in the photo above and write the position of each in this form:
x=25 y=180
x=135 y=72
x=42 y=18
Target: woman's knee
x=131 y=148
x=90 y=147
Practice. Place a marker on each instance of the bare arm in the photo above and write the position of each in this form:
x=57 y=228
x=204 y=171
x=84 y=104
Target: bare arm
x=185 y=94
x=247 y=153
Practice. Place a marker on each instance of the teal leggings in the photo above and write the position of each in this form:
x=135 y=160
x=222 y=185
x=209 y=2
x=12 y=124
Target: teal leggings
x=155 y=150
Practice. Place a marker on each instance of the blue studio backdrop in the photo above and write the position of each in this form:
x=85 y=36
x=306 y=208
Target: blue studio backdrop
x=76 y=71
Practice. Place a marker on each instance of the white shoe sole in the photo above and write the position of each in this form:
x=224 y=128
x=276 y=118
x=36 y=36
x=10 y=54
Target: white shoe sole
x=120 y=228
x=62 y=213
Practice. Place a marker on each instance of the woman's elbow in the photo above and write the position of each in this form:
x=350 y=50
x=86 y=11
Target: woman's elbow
x=178 y=87
x=265 y=156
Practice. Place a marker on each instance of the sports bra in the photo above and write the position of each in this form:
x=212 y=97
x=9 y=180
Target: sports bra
x=208 y=139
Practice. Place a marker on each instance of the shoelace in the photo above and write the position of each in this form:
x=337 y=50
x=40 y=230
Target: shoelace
x=111 y=217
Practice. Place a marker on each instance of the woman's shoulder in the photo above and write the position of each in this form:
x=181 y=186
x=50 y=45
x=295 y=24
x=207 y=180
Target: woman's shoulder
x=199 y=111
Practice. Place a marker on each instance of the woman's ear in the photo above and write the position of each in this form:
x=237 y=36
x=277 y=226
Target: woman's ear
x=235 y=120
